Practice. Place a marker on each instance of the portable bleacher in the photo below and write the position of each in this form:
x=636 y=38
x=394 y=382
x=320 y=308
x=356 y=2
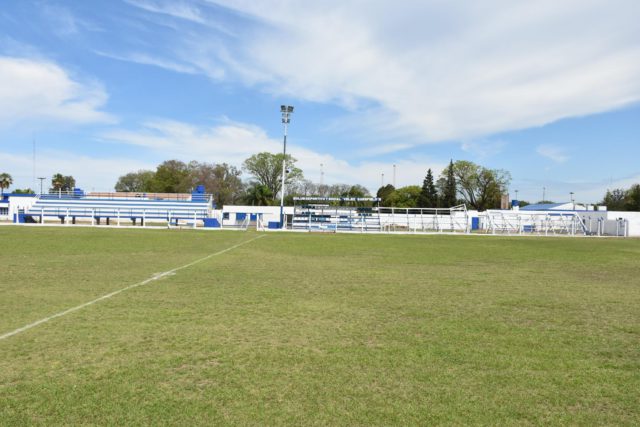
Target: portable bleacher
x=172 y=209
x=336 y=213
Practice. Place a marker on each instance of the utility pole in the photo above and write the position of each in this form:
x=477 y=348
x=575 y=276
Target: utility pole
x=34 y=160
x=394 y=176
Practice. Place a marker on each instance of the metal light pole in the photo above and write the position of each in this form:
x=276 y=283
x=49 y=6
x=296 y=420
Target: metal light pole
x=41 y=178
x=286 y=110
x=517 y=195
x=544 y=189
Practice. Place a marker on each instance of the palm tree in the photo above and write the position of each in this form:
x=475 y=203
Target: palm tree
x=5 y=181
x=258 y=195
x=57 y=181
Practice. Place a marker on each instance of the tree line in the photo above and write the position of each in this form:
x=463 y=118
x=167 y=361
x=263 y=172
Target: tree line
x=620 y=199
x=461 y=182
x=224 y=183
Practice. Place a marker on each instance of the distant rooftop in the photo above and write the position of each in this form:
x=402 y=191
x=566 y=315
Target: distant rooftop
x=554 y=206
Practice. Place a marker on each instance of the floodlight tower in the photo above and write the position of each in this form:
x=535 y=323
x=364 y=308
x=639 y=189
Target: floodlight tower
x=41 y=178
x=517 y=195
x=286 y=111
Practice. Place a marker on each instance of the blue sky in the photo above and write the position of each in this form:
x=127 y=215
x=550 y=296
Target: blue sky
x=547 y=90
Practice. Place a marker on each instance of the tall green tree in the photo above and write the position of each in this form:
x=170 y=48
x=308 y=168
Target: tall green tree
x=136 y=181
x=258 y=195
x=632 y=198
x=385 y=194
x=356 y=190
x=405 y=197
x=448 y=187
x=266 y=168
x=428 y=194
x=61 y=182
x=171 y=176
x=221 y=180
x=614 y=199
x=5 y=182
x=481 y=188
x=224 y=184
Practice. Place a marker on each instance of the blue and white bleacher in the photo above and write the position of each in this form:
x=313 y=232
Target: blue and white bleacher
x=68 y=208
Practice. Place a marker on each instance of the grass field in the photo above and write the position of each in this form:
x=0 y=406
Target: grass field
x=308 y=329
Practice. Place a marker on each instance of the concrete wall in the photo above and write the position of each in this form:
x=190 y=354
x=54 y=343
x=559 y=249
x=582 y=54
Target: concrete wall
x=269 y=213
x=18 y=203
x=632 y=217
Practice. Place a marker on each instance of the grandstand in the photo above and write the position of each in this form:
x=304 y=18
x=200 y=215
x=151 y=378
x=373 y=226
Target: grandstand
x=136 y=208
x=427 y=220
x=336 y=214
x=363 y=214
x=552 y=222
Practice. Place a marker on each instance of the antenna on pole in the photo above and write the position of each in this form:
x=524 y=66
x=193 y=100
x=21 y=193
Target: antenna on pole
x=34 y=159
x=394 y=176
x=321 y=174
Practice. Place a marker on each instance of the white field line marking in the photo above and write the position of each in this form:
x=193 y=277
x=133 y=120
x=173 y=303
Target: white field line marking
x=156 y=276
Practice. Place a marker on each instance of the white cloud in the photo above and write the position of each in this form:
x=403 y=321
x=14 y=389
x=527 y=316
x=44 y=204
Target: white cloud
x=175 y=9
x=443 y=70
x=233 y=142
x=63 y=22
x=91 y=173
x=556 y=154
x=39 y=89
x=145 y=59
x=483 y=149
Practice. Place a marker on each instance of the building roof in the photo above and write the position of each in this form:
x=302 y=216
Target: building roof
x=549 y=206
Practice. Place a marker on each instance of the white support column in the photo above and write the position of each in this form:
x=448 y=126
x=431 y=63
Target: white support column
x=144 y=217
x=93 y=217
x=118 y=217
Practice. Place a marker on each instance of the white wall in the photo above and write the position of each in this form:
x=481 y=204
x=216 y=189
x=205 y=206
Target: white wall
x=632 y=217
x=269 y=213
x=17 y=203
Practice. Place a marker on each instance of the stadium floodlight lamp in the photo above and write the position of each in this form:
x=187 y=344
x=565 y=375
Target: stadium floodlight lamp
x=286 y=110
